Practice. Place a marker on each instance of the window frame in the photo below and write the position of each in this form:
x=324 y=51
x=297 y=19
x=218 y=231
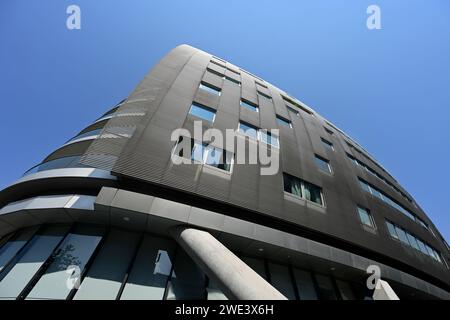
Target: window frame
x=326 y=161
x=205 y=108
x=212 y=89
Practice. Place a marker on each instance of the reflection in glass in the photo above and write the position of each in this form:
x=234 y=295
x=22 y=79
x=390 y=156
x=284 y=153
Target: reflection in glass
x=14 y=244
x=35 y=254
x=281 y=280
x=151 y=270
x=187 y=281
x=305 y=285
x=105 y=276
x=325 y=287
x=75 y=250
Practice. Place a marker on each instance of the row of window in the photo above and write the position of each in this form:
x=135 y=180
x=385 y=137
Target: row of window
x=204 y=153
x=375 y=174
x=367 y=157
x=398 y=233
x=410 y=240
x=118 y=264
x=391 y=202
x=303 y=189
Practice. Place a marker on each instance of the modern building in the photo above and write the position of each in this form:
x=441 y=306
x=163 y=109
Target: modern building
x=110 y=208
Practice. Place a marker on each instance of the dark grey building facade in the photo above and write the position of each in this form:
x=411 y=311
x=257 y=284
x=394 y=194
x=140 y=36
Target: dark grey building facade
x=109 y=215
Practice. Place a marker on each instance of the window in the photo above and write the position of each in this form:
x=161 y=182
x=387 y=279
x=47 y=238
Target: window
x=151 y=270
x=261 y=84
x=328 y=131
x=293 y=110
x=305 y=285
x=232 y=80
x=302 y=189
x=322 y=164
x=327 y=144
x=265 y=96
x=249 y=105
x=218 y=158
x=209 y=88
x=365 y=217
x=30 y=260
x=76 y=249
x=292 y=102
x=412 y=241
x=234 y=71
x=325 y=287
x=283 y=121
x=292 y=185
x=215 y=72
x=268 y=138
x=218 y=64
x=422 y=247
x=202 y=112
x=187 y=281
x=391 y=229
x=14 y=244
x=105 y=276
x=248 y=130
x=402 y=235
x=203 y=153
x=312 y=193
x=281 y=280
x=385 y=198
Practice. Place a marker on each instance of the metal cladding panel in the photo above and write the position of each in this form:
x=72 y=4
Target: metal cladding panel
x=162 y=101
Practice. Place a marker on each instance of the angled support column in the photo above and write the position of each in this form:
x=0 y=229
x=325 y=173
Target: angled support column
x=383 y=291
x=237 y=280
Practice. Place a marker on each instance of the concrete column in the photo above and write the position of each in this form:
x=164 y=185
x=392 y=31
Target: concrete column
x=237 y=280
x=383 y=291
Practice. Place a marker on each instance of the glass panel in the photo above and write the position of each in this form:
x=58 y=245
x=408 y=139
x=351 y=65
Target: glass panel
x=214 y=293
x=305 y=285
x=202 y=112
x=325 y=286
x=412 y=241
x=430 y=251
x=197 y=152
x=364 y=215
x=232 y=80
x=265 y=96
x=75 y=250
x=257 y=265
x=209 y=88
x=292 y=185
x=422 y=246
x=345 y=290
x=187 y=281
x=402 y=235
x=328 y=145
x=283 y=122
x=35 y=254
x=248 y=130
x=391 y=229
x=293 y=110
x=280 y=278
x=322 y=164
x=364 y=186
x=14 y=244
x=151 y=270
x=249 y=106
x=312 y=193
x=266 y=137
x=215 y=158
x=107 y=272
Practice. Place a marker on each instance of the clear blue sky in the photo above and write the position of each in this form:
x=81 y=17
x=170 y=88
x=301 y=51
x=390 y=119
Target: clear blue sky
x=389 y=89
